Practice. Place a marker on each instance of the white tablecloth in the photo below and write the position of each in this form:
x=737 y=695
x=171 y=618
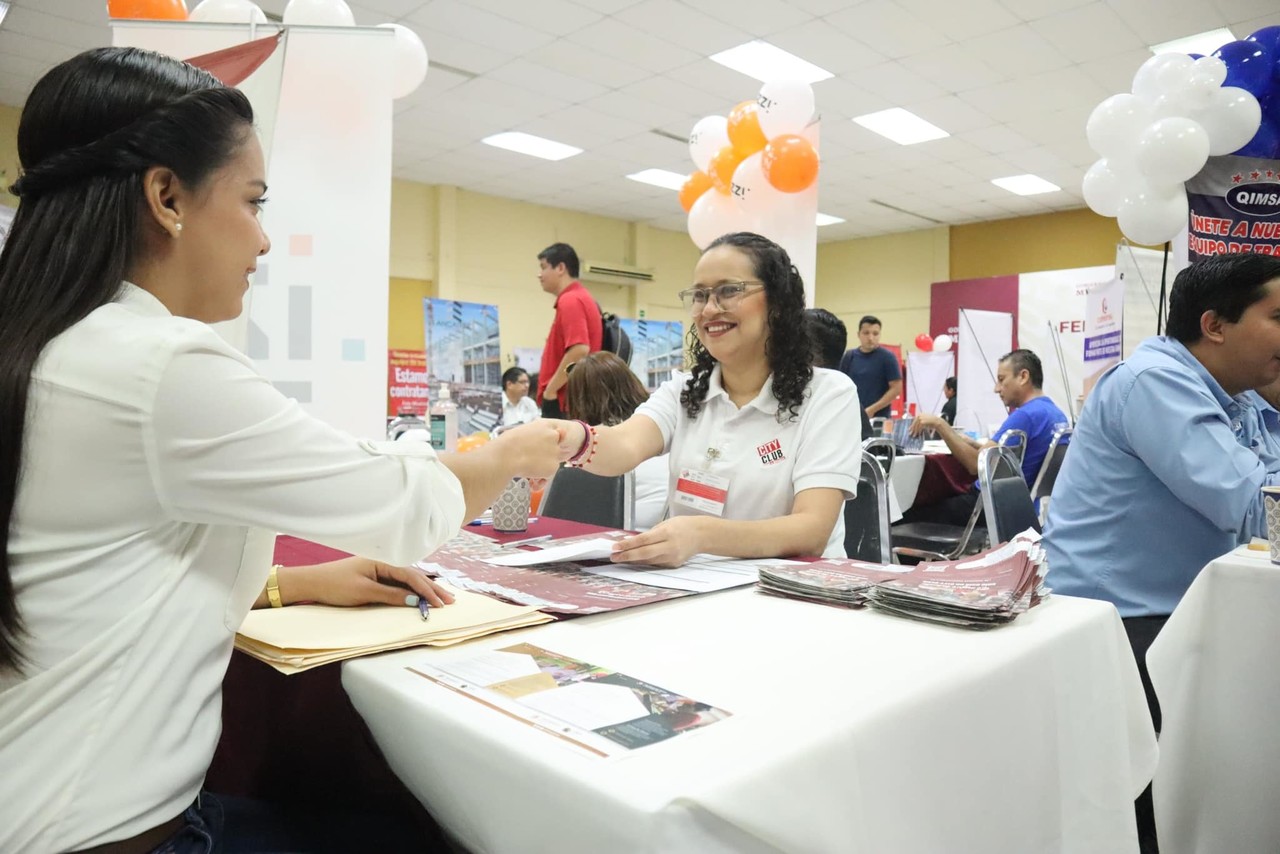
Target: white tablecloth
x=904 y=481
x=851 y=732
x=1214 y=667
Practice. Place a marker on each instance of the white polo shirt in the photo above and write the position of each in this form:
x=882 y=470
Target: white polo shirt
x=157 y=466
x=767 y=460
x=519 y=413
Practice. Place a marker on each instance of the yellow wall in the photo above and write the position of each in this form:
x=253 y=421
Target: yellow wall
x=8 y=152
x=1055 y=241
x=886 y=276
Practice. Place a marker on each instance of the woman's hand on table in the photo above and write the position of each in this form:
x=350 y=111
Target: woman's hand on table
x=669 y=543
x=359 y=581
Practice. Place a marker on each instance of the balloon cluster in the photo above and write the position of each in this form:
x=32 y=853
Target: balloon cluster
x=1182 y=110
x=750 y=163
x=925 y=344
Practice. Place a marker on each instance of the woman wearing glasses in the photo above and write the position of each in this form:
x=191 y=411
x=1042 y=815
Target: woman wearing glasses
x=764 y=448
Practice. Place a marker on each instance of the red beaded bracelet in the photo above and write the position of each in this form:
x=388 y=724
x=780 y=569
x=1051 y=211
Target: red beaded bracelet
x=590 y=441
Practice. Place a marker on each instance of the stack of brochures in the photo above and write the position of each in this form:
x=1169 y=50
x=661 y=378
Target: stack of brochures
x=832 y=582
x=981 y=591
x=300 y=637
x=978 y=592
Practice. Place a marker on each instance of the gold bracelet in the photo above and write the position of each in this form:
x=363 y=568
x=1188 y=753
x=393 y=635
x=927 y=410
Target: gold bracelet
x=273 y=587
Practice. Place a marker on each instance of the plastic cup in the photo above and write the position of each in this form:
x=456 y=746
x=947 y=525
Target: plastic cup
x=1271 y=507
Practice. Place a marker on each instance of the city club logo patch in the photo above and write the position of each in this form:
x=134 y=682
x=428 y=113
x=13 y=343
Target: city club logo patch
x=770 y=452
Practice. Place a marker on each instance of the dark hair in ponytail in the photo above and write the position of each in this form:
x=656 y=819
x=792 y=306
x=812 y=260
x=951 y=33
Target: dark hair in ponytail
x=90 y=130
x=787 y=348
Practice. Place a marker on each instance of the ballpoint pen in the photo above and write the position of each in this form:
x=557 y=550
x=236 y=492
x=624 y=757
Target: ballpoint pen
x=527 y=541
x=424 y=608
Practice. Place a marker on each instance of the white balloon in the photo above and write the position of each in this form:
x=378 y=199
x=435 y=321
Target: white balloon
x=1231 y=119
x=942 y=343
x=319 y=13
x=228 y=12
x=785 y=106
x=1162 y=73
x=751 y=189
x=1211 y=69
x=1180 y=103
x=1114 y=125
x=1152 y=215
x=409 y=65
x=1172 y=150
x=713 y=214
x=706 y=139
x=1103 y=189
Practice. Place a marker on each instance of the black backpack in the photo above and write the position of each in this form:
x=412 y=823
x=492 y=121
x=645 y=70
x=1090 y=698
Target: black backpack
x=614 y=339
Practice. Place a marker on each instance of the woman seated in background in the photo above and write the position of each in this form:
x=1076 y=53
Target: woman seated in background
x=145 y=467
x=517 y=406
x=604 y=390
x=764 y=448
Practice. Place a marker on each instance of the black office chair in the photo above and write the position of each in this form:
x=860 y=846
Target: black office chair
x=580 y=496
x=935 y=541
x=866 y=515
x=1048 y=475
x=1006 y=499
x=1016 y=440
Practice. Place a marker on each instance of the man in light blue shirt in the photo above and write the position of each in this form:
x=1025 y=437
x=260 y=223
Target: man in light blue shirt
x=1167 y=459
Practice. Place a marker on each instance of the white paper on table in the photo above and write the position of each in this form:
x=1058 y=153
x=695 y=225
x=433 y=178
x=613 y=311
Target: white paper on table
x=599 y=548
x=589 y=705
x=702 y=574
x=493 y=666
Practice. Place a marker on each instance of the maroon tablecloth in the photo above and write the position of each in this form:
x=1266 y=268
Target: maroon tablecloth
x=943 y=477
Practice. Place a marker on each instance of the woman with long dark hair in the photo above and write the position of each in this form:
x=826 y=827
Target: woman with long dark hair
x=145 y=465
x=603 y=389
x=764 y=447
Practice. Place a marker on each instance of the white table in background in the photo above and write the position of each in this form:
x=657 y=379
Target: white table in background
x=1214 y=668
x=851 y=732
x=904 y=482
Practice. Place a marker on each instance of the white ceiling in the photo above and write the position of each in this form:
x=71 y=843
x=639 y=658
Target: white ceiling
x=1013 y=81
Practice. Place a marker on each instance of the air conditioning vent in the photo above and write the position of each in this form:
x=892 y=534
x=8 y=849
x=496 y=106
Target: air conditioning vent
x=615 y=274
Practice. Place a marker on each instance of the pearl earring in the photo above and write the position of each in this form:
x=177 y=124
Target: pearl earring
x=178 y=227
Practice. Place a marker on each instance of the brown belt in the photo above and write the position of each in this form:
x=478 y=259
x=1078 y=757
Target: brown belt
x=144 y=842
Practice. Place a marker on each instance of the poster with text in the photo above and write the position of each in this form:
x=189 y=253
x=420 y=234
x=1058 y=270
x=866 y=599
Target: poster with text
x=464 y=353
x=408 y=392
x=1103 y=330
x=1235 y=207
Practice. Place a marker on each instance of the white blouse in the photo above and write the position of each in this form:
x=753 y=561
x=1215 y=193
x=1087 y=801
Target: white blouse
x=157 y=465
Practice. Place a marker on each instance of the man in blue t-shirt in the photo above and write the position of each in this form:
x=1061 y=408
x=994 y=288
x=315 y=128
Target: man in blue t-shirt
x=1019 y=382
x=873 y=369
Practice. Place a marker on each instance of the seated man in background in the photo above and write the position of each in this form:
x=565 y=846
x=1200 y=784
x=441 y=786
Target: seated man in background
x=948 y=413
x=517 y=406
x=830 y=336
x=1019 y=382
x=1168 y=456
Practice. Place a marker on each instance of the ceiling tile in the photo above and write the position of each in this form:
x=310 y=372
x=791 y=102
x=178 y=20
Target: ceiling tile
x=827 y=47
x=962 y=20
x=680 y=24
x=1020 y=50
x=889 y=28
x=1088 y=32
x=758 y=17
x=465 y=20
x=558 y=17
x=614 y=38
x=532 y=76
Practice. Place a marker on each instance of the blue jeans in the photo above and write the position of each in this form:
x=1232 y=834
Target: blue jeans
x=221 y=824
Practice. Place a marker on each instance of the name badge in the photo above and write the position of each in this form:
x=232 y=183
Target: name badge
x=702 y=491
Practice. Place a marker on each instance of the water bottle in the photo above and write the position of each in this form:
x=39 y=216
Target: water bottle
x=511 y=510
x=444 y=422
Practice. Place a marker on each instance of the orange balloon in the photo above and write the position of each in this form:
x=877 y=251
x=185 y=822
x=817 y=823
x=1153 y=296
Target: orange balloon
x=789 y=163
x=699 y=182
x=722 y=166
x=744 y=129
x=153 y=10
x=468 y=443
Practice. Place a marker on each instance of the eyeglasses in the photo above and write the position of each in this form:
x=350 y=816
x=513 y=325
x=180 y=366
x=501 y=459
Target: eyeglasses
x=726 y=294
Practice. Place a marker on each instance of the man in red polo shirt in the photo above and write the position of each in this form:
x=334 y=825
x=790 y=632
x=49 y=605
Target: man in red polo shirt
x=576 y=331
